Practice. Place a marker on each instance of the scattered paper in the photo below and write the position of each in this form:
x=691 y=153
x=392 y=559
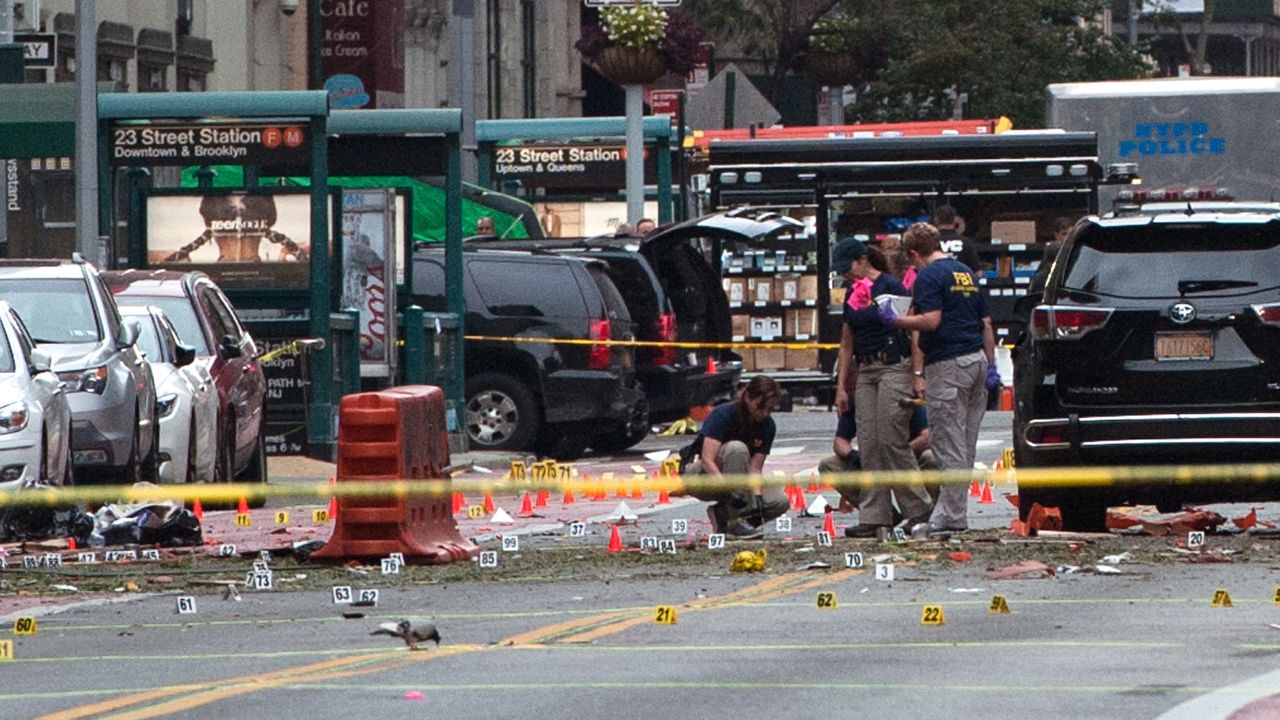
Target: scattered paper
x=1107 y=570
x=65 y=588
x=622 y=512
x=657 y=455
x=1029 y=569
x=784 y=451
x=502 y=517
x=967 y=590
x=1116 y=559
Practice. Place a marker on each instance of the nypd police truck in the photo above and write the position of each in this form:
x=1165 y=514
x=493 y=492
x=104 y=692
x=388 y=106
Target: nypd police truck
x=1202 y=138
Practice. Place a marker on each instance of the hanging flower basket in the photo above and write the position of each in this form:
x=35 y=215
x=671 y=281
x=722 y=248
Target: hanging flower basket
x=831 y=69
x=631 y=66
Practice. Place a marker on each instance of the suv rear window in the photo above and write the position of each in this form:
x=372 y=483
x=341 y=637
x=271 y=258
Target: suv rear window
x=1152 y=261
x=527 y=289
x=75 y=320
x=612 y=298
x=636 y=283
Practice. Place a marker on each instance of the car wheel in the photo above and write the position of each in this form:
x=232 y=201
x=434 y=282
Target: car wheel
x=501 y=413
x=68 y=469
x=257 y=470
x=42 y=475
x=131 y=473
x=151 y=463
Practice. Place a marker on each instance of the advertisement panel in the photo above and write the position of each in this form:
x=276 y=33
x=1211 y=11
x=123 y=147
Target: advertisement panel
x=368 y=260
x=241 y=240
x=362 y=53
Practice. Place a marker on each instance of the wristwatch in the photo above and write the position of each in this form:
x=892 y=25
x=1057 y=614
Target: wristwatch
x=918 y=373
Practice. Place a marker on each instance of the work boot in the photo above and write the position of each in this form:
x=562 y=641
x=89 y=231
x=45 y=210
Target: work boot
x=739 y=530
x=864 y=531
x=718 y=514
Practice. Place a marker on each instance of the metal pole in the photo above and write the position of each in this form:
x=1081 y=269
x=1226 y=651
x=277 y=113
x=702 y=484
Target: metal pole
x=462 y=90
x=730 y=85
x=1133 y=23
x=6 y=22
x=635 y=153
x=835 y=104
x=87 y=133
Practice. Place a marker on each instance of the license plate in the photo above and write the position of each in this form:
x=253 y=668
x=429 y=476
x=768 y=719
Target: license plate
x=1184 y=346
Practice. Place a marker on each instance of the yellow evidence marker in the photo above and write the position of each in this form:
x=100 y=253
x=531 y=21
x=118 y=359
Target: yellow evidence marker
x=6 y=650
x=25 y=625
x=517 y=470
x=665 y=615
x=1221 y=599
x=244 y=520
x=319 y=516
x=475 y=512
x=932 y=615
x=827 y=601
x=1275 y=599
x=999 y=606
x=282 y=518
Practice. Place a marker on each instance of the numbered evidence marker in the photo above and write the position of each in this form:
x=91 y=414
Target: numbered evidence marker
x=1195 y=539
x=320 y=517
x=517 y=470
x=667 y=546
x=475 y=512
x=25 y=625
x=1275 y=599
x=151 y=554
x=649 y=543
x=665 y=615
x=827 y=601
x=367 y=598
x=341 y=594
x=226 y=550
x=244 y=520
x=679 y=526
x=390 y=566
x=884 y=571
x=6 y=650
x=998 y=606
x=782 y=523
x=186 y=605
x=715 y=541
x=577 y=529
x=824 y=539
x=932 y=615
x=1221 y=599
x=282 y=517
x=853 y=559
x=510 y=543
x=488 y=559
x=87 y=558
x=261 y=581
x=52 y=560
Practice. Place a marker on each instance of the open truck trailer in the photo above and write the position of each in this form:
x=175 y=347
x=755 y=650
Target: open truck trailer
x=1010 y=189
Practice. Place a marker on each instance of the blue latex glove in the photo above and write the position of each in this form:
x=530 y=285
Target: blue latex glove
x=993 y=377
x=887 y=314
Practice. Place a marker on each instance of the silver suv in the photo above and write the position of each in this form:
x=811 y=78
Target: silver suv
x=73 y=319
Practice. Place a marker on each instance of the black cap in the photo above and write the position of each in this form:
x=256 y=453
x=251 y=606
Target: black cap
x=845 y=252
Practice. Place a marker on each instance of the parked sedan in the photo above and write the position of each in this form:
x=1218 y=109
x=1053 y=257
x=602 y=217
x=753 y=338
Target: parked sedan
x=186 y=400
x=35 y=419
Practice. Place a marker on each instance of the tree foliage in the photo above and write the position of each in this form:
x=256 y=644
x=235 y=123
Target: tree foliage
x=918 y=56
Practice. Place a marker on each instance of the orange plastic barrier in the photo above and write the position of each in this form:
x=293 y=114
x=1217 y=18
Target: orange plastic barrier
x=389 y=435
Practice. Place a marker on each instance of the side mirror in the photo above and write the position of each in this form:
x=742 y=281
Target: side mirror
x=230 y=347
x=40 y=362
x=183 y=355
x=129 y=332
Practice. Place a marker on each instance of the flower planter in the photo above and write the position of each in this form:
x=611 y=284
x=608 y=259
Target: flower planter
x=631 y=66
x=832 y=70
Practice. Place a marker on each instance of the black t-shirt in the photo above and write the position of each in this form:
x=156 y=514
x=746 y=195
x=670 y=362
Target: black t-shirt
x=961 y=248
x=720 y=425
x=949 y=286
x=870 y=334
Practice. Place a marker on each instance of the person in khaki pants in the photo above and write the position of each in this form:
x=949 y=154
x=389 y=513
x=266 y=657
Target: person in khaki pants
x=734 y=441
x=953 y=362
x=875 y=360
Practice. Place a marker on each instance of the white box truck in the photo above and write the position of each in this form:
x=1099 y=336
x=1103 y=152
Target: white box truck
x=1192 y=138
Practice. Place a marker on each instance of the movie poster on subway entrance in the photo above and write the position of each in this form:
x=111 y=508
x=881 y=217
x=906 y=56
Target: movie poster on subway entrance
x=368 y=262
x=242 y=240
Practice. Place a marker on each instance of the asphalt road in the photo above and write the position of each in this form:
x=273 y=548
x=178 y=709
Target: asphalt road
x=1143 y=643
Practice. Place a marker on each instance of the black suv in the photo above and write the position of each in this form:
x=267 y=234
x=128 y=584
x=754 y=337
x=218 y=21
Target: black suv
x=1156 y=340
x=539 y=395
x=673 y=379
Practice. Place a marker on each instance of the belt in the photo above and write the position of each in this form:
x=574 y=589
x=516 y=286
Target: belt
x=880 y=357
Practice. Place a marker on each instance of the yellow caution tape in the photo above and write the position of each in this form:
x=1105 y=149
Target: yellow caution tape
x=690 y=484
x=659 y=344
x=292 y=348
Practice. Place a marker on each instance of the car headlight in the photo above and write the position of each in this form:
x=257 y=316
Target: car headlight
x=165 y=404
x=13 y=417
x=93 y=380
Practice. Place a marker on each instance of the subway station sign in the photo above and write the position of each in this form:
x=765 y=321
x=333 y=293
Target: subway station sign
x=279 y=145
x=582 y=166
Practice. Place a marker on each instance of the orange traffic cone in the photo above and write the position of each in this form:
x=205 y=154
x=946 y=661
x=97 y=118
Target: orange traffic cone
x=198 y=510
x=243 y=507
x=568 y=497
x=71 y=543
x=615 y=540
x=813 y=486
x=621 y=491
x=459 y=502
x=333 y=508
x=711 y=366
x=526 y=506
x=637 y=493
x=829 y=523
x=797 y=500
x=664 y=498
x=489 y=507
x=543 y=497
x=975 y=490
x=986 y=498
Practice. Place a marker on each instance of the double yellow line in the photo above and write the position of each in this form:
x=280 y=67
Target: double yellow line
x=172 y=699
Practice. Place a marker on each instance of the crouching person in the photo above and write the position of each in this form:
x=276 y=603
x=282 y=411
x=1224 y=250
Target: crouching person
x=734 y=442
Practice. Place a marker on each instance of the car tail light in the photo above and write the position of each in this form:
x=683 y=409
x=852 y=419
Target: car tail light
x=598 y=355
x=1269 y=314
x=666 y=327
x=1050 y=322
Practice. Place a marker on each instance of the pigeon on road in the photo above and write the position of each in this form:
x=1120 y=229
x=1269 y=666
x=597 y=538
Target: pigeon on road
x=410 y=634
